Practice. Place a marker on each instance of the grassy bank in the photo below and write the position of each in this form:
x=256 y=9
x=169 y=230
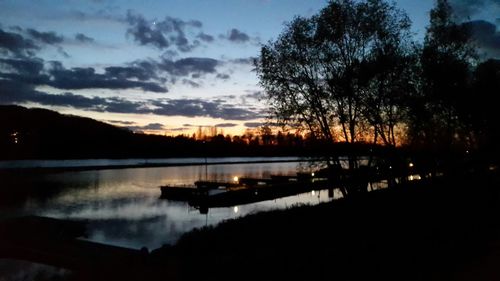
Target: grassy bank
x=427 y=230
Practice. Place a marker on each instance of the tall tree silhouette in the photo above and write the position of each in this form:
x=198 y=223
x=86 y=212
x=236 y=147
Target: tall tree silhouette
x=446 y=60
x=321 y=71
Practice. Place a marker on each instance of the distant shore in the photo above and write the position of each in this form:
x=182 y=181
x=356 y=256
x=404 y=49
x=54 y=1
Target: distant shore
x=143 y=163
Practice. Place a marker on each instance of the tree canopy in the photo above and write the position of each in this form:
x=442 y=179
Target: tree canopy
x=340 y=73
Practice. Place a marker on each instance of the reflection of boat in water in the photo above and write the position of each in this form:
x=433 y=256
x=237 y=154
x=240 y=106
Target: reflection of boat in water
x=208 y=194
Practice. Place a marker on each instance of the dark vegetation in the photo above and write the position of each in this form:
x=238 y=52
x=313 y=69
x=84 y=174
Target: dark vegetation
x=354 y=73
x=44 y=134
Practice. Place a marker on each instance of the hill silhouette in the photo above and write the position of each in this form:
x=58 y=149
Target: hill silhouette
x=35 y=133
x=28 y=133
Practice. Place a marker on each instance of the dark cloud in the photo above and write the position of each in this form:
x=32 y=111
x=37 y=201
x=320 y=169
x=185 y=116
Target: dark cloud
x=13 y=43
x=249 y=60
x=253 y=124
x=177 y=129
x=205 y=37
x=149 y=127
x=464 y=9
x=16 y=92
x=188 y=66
x=144 y=34
x=141 y=72
x=222 y=76
x=258 y=95
x=120 y=122
x=29 y=67
x=201 y=108
x=190 y=83
x=31 y=71
x=82 y=38
x=162 y=34
x=237 y=36
x=226 y=125
x=50 y=38
x=486 y=36
x=87 y=78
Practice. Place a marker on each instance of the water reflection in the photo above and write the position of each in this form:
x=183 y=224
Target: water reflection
x=122 y=206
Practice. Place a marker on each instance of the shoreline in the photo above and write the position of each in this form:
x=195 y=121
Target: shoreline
x=139 y=165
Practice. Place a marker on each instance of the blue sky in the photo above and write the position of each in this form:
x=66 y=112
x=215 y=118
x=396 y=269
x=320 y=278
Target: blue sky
x=157 y=66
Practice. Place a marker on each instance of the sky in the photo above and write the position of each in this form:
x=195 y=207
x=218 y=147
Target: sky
x=169 y=66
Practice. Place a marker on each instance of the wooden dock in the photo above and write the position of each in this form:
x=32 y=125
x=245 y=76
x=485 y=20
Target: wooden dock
x=206 y=194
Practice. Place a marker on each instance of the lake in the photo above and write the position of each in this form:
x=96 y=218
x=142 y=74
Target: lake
x=123 y=206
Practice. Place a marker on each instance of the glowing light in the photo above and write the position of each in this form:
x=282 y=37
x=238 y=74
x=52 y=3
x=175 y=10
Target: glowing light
x=390 y=167
x=312 y=193
x=414 y=177
x=410 y=165
x=312 y=174
x=235 y=209
x=235 y=179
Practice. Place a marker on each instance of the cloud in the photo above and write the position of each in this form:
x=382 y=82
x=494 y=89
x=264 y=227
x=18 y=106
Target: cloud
x=86 y=78
x=205 y=37
x=82 y=38
x=187 y=66
x=237 y=36
x=149 y=127
x=190 y=83
x=164 y=34
x=30 y=67
x=253 y=124
x=50 y=38
x=141 y=72
x=12 y=91
x=486 y=36
x=464 y=9
x=222 y=76
x=257 y=95
x=201 y=108
x=177 y=129
x=248 y=60
x=15 y=44
x=120 y=122
x=31 y=71
x=226 y=125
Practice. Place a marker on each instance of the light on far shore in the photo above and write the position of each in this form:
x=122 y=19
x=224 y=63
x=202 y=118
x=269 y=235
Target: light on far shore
x=235 y=179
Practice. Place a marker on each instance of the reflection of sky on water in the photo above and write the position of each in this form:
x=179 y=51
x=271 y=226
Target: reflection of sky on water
x=123 y=208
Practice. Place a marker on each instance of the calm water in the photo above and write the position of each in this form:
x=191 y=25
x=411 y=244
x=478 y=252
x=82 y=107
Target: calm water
x=122 y=206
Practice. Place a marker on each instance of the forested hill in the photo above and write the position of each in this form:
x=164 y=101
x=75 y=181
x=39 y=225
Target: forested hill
x=34 y=133
x=41 y=133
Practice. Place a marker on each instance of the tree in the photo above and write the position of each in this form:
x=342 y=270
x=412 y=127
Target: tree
x=319 y=76
x=446 y=61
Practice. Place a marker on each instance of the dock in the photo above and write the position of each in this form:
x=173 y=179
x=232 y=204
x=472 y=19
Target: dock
x=207 y=194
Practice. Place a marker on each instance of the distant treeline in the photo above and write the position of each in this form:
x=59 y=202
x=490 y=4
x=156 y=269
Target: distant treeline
x=34 y=133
